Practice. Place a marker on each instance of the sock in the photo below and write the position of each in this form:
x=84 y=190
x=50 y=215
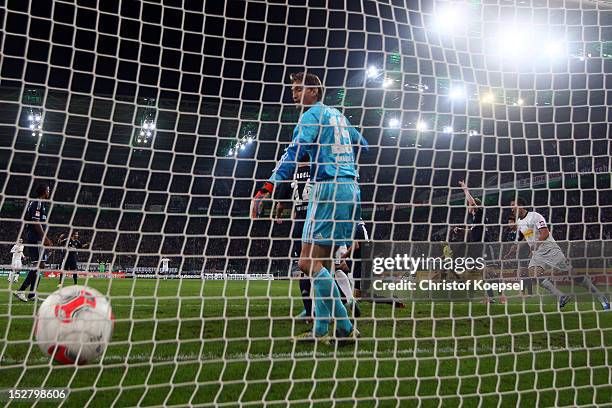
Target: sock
x=528 y=285
x=549 y=286
x=34 y=284
x=61 y=278
x=29 y=278
x=322 y=282
x=305 y=286
x=328 y=294
x=587 y=283
x=74 y=277
x=345 y=286
x=343 y=324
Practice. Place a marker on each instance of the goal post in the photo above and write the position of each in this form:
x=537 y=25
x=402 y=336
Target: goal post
x=155 y=123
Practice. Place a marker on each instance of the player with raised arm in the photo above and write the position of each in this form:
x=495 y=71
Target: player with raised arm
x=70 y=264
x=324 y=135
x=36 y=240
x=546 y=254
x=479 y=233
x=16 y=264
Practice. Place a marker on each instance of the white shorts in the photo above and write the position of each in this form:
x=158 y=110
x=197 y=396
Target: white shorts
x=17 y=265
x=550 y=257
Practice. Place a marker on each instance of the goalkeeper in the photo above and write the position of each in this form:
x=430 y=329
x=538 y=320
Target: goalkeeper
x=324 y=135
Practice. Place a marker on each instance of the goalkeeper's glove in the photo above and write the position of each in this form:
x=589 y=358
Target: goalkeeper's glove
x=263 y=193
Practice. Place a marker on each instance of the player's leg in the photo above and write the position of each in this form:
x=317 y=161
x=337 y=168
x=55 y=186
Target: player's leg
x=526 y=279
x=346 y=213
x=311 y=264
x=586 y=282
x=536 y=272
x=33 y=255
x=305 y=285
x=344 y=284
x=315 y=260
x=16 y=271
x=39 y=272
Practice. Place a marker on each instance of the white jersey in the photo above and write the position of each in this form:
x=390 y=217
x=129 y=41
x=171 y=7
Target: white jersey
x=546 y=254
x=530 y=228
x=17 y=252
x=342 y=249
x=165 y=263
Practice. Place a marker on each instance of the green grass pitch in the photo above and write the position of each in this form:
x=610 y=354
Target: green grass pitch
x=216 y=343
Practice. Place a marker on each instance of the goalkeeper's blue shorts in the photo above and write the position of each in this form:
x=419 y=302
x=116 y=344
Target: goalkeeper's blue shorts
x=333 y=210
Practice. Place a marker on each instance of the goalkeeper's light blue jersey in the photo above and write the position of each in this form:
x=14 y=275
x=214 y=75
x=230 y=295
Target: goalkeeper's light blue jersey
x=324 y=134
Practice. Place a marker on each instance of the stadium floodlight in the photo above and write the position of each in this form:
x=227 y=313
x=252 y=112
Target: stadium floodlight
x=421 y=126
x=242 y=147
x=473 y=133
x=456 y=93
x=554 y=49
x=35 y=122
x=519 y=102
x=394 y=123
x=488 y=98
x=447 y=129
x=448 y=19
x=388 y=82
x=513 y=41
x=230 y=152
x=373 y=71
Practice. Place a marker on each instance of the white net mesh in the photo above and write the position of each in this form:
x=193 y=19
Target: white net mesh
x=155 y=122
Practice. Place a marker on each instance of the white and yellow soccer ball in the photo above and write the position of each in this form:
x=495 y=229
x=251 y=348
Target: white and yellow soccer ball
x=74 y=325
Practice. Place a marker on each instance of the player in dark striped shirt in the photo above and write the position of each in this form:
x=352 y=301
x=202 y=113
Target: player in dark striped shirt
x=36 y=239
x=70 y=264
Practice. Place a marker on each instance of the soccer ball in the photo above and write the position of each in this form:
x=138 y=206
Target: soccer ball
x=74 y=324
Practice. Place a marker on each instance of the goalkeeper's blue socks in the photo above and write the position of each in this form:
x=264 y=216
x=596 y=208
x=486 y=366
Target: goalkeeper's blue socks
x=322 y=281
x=327 y=301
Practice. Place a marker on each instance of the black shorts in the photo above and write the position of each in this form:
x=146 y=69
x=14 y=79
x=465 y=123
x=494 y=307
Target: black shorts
x=70 y=266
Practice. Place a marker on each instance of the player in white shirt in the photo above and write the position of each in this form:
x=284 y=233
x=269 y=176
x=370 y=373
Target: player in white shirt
x=16 y=264
x=546 y=253
x=164 y=269
x=341 y=270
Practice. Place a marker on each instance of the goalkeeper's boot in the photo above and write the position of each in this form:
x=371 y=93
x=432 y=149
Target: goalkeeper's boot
x=351 y=338
x=311 y=337
x=564 y=300
x=605 y=304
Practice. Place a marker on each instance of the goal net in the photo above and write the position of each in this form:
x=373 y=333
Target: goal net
x=154 y=124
